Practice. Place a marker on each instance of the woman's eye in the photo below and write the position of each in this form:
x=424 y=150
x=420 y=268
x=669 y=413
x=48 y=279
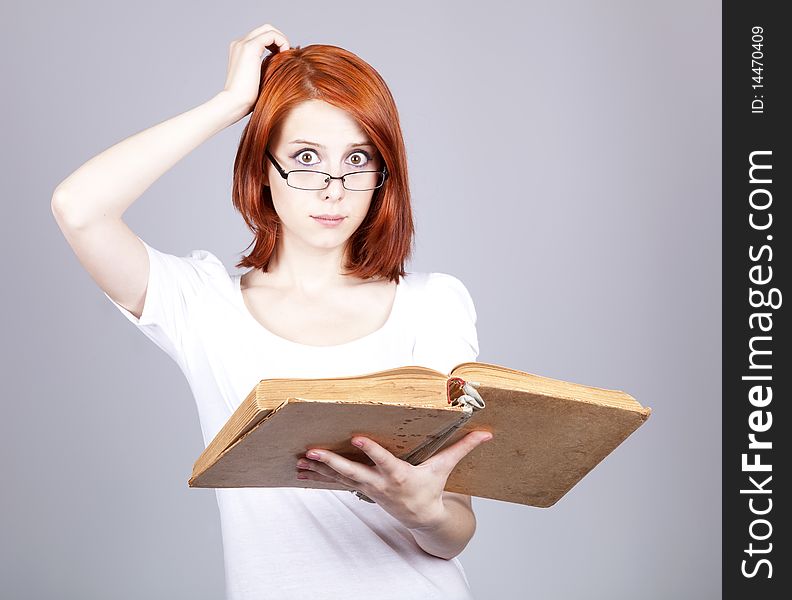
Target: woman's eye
x=359 y=158
x=305 y=155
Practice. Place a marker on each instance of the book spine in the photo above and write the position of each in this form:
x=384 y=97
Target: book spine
x=464 y=393
x=460 y=393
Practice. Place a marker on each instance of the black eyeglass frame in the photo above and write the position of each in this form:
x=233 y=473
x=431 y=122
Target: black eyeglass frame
x=285 y=175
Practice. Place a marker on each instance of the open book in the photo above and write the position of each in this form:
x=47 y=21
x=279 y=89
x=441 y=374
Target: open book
x=547 y=433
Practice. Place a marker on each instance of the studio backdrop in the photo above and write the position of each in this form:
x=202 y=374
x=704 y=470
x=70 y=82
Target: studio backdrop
x=564 y=162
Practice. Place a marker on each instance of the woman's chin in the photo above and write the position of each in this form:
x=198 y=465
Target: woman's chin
x=328 y=241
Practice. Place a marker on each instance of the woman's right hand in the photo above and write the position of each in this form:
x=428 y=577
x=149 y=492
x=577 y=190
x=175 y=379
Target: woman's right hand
x=244 y=64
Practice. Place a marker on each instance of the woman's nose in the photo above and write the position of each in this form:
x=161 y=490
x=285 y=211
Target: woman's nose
x=335 y=189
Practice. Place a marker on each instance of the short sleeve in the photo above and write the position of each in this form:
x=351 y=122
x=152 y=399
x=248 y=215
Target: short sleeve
x=446 y=326
x=173 y=285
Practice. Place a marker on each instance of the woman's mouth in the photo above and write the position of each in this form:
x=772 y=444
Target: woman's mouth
x=328 y=220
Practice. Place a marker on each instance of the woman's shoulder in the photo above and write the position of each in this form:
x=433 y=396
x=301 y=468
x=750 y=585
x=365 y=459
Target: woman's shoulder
x=445 y=318
x=195 y=268
x=207 y=262
x=439 y=289
x=434 y=282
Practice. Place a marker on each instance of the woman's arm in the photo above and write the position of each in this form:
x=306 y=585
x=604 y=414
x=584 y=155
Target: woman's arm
x=441 y=522
x=106 y=185
x=109 y=183
x=455 y=529
x=90 y=203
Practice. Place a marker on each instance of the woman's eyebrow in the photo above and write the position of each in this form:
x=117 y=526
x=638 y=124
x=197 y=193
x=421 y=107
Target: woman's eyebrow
x=321 y=146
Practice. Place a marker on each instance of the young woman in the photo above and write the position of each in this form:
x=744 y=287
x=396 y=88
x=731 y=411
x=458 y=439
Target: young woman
x=321 y=180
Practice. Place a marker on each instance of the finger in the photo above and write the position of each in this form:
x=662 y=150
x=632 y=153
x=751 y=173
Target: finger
x=325 y=471
x=313 y=476
x=258 y=30
x=272 y=37
x=269 y=39
x=383 y=459
x=354 y=471
x=448 y=458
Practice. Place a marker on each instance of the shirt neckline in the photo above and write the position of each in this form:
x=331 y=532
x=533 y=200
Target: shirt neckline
x=369 y=336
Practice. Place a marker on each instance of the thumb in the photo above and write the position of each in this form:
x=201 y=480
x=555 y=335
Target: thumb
x=448 y=458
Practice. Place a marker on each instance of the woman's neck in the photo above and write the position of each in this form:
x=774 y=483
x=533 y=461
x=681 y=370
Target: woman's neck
x=307 y=269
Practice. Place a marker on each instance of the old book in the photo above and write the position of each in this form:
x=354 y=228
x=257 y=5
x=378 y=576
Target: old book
x=548 y=433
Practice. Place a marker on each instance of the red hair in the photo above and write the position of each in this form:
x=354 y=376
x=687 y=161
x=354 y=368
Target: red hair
x=383 y=241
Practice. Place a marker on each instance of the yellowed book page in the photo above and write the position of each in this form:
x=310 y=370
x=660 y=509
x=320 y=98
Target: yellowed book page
x=513 y=379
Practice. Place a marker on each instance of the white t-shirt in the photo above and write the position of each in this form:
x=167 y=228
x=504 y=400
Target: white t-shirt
x=284 y=543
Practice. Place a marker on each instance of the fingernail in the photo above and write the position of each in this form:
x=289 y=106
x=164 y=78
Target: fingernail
x=357 y=443
x=312 y=454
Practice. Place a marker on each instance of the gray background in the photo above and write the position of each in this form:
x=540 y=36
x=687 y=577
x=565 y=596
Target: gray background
x=565 y=162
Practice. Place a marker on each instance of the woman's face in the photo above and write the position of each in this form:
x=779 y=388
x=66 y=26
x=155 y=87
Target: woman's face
x=319 y=136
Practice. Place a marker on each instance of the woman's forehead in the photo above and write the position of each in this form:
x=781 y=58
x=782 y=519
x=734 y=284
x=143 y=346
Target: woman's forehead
x=305 y=141
x=322 y=124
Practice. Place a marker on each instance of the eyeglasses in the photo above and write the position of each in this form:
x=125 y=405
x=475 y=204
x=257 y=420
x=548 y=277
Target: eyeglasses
x=304 y=179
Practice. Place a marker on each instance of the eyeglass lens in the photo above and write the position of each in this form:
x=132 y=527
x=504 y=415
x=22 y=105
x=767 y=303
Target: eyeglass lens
x=314 y=180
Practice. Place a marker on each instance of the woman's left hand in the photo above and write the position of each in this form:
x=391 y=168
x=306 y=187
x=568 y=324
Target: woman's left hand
x=413 y=494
